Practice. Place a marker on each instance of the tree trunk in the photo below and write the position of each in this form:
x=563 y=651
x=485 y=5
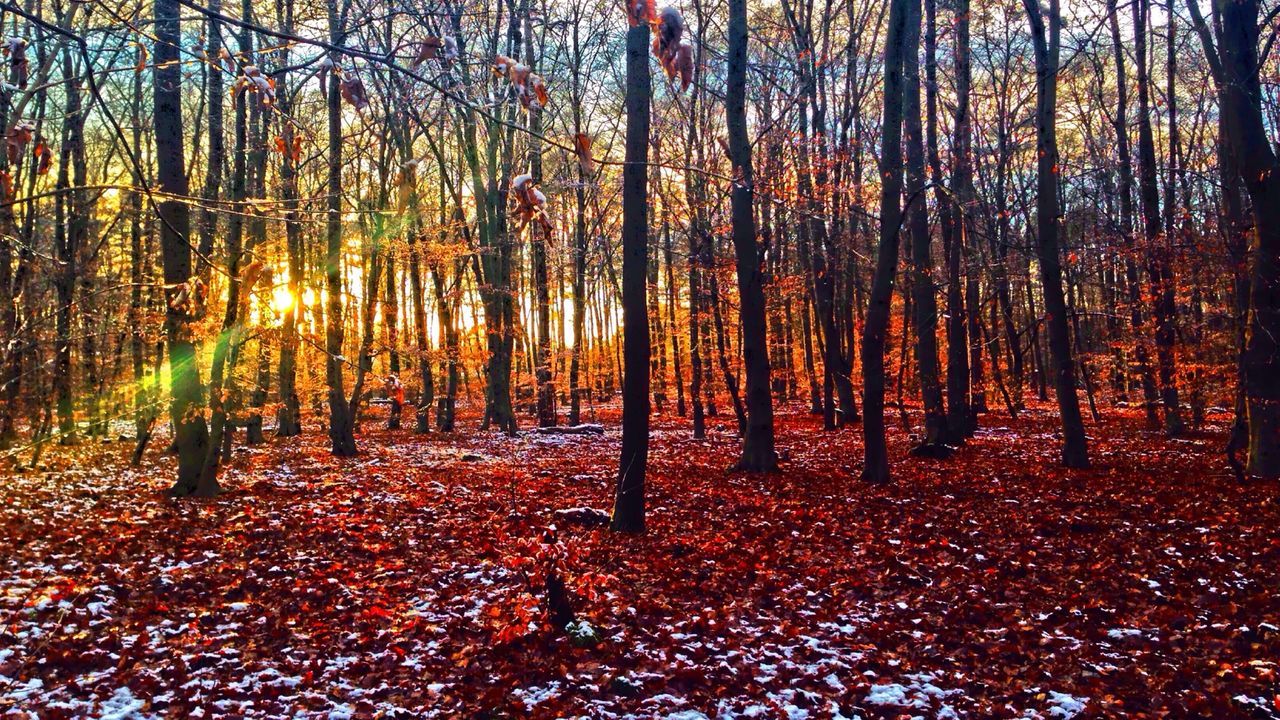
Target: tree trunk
x=924 y=300
x=628 y=505
x=1074 y=449
x=289 y=416
x=1127 y=210
x=191 y=432
x=1159 y=269
x=1260 y=171
x=341 y=422
x=876 y=328
x=758 y=454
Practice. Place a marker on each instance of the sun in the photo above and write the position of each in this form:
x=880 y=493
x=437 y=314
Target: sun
x=281 y=299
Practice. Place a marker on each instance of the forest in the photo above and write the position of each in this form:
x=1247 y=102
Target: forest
x=712 y=359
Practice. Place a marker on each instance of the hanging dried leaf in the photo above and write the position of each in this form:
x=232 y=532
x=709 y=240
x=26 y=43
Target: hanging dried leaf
x=250 y=275
x=264 y=86
x=639 y=12
x=684 y=64
x=142 y=59
x=534 y=96
x=530 y=202
x=450 y=50
x=326 y=65
x=519 y=74
x=16 y=50
x=666 y=42
x=228 y=62
x=43 y=156
x=502 y=66
x=187 y=298
x=352 y=89
x=406 y=184
x=582 y=147
x=16 y=140
x=428 y=49
x=289 y=144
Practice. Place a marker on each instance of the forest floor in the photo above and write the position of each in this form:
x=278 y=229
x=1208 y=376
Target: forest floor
x=403 y=582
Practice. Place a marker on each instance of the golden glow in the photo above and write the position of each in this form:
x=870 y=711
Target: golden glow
x=281 y=299
x=308 y=297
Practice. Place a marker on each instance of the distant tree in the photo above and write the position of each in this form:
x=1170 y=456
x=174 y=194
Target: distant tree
x=923 y=284
x=1157 y=243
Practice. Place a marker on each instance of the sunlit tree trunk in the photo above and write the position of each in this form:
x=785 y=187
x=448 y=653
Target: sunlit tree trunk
x=289 y=416
x=70 y=233
x=695 y=191
x=221 y=381
x=546 y=389
x=191 y=432
x=579 y=249
x=215 y=161
x=677 y=358
x=341 y=422
x=426 y=397
x=144 y=414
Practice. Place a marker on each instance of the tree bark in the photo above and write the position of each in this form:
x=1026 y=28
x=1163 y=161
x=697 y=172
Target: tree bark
x=191 y=432
x=876 y=328
x=1159 y=269
x=341 y=422
x=628 y=505
x=1260 y=171
x=924 y=300
x=1045 y=40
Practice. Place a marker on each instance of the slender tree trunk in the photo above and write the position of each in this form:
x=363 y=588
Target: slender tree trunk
x=289 y=416
x=221 y=381
x=341 y=421
x=1159 y=269
x=538 y=240
x=1074 y=450
x=924 y=301
x=191 y=432
x=215 y=162
x=669 y=260
x=445 y=312
x=1127 y=211
x=876 y=328
x=628 y=506
x=966 y=204
x=144 y=416
x=69 y=238
x=426 y=394
x=757 y=442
